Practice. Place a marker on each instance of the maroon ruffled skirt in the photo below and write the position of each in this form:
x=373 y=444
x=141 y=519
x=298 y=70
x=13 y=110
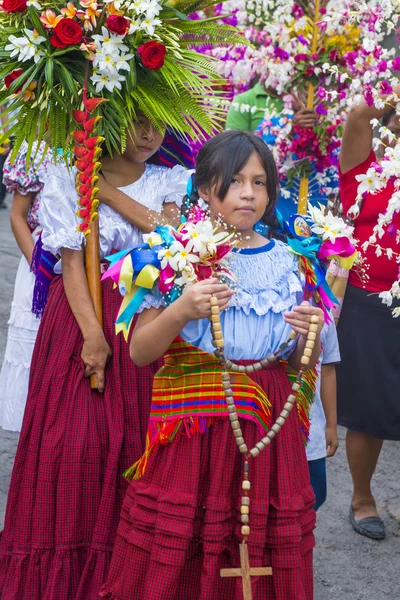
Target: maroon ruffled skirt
x=67 y=487
x=180 y=523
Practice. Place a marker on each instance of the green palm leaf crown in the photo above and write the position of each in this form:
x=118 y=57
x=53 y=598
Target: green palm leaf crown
x=135 y=54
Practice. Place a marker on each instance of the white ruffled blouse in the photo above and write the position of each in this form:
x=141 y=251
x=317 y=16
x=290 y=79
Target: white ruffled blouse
x=59 y=205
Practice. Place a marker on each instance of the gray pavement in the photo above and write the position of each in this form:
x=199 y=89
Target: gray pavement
x=347 y=566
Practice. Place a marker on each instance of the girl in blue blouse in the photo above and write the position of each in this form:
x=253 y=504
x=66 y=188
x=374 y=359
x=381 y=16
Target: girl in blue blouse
x=180 y=523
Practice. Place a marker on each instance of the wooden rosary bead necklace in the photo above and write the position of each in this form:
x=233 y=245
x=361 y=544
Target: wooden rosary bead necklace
x=228 y=365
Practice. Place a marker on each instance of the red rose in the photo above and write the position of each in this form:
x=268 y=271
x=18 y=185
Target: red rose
x=14 y=6
x=152 y=54
x=11 y=78
x=66 y=33
x=117 y=24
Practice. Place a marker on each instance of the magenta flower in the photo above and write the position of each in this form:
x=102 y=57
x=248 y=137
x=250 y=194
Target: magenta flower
x=321 y=93
x=396 y=64
x=320 y=109
x=386 y=88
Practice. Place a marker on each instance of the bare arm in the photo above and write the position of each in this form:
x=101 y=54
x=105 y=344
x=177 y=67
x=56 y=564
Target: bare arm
x=328 y=399
x=141 y=217
x=156 y=329
x=95 y=351
x=18 y=215
x=358 y=133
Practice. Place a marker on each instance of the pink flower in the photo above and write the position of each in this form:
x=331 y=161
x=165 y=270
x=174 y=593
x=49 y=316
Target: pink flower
x=396 y=64
x=321 y=93
x=386 y=88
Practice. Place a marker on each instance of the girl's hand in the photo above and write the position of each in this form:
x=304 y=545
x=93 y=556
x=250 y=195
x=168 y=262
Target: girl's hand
x=331 y=439
x=299 y=318
x=95 y=355
x=195 y=301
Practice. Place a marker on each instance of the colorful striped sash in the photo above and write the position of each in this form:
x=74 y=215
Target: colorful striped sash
x=188 y=395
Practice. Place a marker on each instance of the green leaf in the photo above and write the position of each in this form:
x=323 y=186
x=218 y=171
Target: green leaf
x=49 y=70
x=170 y=12
x=37 y=22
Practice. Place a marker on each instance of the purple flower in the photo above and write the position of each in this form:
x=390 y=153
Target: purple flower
x=342 y=95
x=303 y=40
x=396 y=64
x=391 y=230
x=321 y=110
x=300 y=58
x=368 y=97
x=377 y=166
x=386 y=88
x=298 y=12
x=382 y=66
x=321 y=93
x=350 y=58
x=280 y=53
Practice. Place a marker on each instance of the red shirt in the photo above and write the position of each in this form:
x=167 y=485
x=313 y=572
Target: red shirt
x=382 y=271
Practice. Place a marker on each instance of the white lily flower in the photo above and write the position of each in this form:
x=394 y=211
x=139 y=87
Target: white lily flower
x=33 y=3
x=122 y=64
x=181 y=257
x=109 y=43
x=149 y=25
x=368 y=183
x=108 y=81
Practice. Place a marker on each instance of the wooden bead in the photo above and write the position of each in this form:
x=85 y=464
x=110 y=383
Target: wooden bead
x=244 y=510
x=271 y=434
x=288 y=406
x=218 y=335
x=235 y=424
x=249 y=369
x=291 y=398
x=276 y=428
x=237 y=433
x=305 y=360
x=215 y=318
x=285 y=412
x=225 y=376
x=271 y=358
x=257 y=366
x=228 y=393
x=293 y=335
x=245 y=530
x=254 y=452
x=314 y=319
x=242 y=369
x=266 y=440
x=246 y=485
x=307 y=352
x=280 y=420
x=226 y=384
x=233 y=417
x=219 y=343
x=246 y=500
x=239 y=441
x=244 y=519
x=228 y=365
x=243 y=449
x=313 y=328
x=310 y=344
x=231 y=408
x=214 y=301
x=229 y=400
x=260 y=446
x=296 y=386
x=217 y=327
x=312 y=336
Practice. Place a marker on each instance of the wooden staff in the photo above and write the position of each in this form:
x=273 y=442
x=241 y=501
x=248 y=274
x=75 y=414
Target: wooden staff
x=92 y=260
x=303 y=192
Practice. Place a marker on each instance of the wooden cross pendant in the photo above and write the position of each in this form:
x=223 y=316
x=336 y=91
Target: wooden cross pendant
x=246 y=572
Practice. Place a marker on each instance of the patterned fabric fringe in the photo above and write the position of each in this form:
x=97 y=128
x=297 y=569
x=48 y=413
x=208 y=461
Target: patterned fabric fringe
x=305 y=397
x=42 y=265
x=188 y=396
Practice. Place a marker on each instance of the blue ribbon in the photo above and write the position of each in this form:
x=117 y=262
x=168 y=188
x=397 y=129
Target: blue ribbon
x=133 y=306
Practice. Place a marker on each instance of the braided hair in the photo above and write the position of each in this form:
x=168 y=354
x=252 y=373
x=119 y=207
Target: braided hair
x=221 y=158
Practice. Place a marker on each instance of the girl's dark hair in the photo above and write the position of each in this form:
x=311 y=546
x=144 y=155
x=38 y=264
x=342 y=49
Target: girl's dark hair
x=386 y=118
x=225 y=155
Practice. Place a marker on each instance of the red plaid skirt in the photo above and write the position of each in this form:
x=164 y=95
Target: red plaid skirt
x=180 y=523
x=67 y=487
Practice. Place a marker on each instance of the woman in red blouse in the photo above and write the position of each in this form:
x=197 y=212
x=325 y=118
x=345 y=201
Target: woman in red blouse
x=369 y=374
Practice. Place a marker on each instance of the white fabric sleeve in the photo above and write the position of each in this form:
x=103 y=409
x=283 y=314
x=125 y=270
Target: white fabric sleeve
x=57 y=212
x=175 y=184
